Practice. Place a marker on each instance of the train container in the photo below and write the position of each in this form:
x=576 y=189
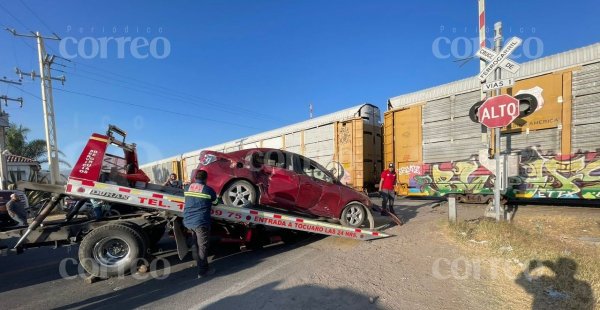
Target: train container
x=553 y=153
x=347 y=142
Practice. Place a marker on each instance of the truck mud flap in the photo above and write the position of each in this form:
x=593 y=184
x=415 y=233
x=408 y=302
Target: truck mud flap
x=180 y=239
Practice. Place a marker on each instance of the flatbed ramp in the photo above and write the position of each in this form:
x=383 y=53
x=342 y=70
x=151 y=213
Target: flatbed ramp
x=174 y=203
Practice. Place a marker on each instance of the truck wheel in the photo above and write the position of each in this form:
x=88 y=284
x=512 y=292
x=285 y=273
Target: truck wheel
x=141 y=234
x=111 y=250
x=353 y=215
x=240 y=194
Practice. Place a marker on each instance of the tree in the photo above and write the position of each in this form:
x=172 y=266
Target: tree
x=17 y=144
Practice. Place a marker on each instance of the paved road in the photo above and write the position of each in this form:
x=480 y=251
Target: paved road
x=49 y=278
x=35 y=280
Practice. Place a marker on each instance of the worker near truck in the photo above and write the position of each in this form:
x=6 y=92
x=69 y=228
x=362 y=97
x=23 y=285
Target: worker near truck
x=173 y=182
x=199 y=199
x=386 y=188
x=16 y=210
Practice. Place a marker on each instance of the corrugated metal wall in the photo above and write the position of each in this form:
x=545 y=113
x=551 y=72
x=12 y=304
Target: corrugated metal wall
x=448 y=132
x=548 y=140
x=319 y=144
x=159 y=171
x=586 y=109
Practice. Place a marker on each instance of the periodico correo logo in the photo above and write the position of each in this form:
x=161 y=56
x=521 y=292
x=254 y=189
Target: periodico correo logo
x=115 y=42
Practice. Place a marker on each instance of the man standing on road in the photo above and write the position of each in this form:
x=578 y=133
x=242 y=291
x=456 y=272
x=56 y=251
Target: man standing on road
x=386 y=188
x=16 y=210
x=196 y=216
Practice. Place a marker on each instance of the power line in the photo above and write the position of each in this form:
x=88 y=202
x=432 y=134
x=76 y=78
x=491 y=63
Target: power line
x=144 y=87
x=28 y=92
x=154 y=108
x=14 y=17
x=36 y=16
x=180 y=94
x=153 y=92
x=152 y=86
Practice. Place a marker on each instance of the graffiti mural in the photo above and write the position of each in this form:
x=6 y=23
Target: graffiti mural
x=338 y=171
x=571 y=176
x=464 y=177
x=540 y=176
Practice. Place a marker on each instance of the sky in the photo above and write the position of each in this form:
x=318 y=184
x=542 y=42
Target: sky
x=182 y=75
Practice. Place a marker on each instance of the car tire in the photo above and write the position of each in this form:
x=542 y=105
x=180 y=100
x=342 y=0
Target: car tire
x=353 y=215
x=240 y=194
x=111 y=250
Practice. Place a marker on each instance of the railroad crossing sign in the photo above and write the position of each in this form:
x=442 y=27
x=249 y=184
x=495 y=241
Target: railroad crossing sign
x=497 y=84
x=498 y=59
x=489 y=56
x=498 y=111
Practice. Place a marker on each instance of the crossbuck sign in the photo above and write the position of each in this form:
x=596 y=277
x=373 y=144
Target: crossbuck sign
x=499 y=60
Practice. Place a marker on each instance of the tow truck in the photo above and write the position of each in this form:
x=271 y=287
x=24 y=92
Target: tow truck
x=112 y=245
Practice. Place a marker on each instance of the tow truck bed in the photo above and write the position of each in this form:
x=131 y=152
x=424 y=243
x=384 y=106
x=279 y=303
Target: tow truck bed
x=174 y=204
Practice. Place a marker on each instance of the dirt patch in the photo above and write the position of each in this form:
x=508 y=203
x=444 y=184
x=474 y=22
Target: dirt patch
x=400 y=272
x=544 y=259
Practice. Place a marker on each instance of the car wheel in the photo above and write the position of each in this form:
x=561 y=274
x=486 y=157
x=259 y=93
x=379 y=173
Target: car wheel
x=240 y=194
x=353 y=215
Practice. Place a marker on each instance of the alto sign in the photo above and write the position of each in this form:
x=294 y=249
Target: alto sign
x=498 y=111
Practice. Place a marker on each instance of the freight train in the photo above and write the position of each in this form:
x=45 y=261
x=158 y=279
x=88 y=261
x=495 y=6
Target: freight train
x=347 y=142
x=553 y=153
x=438 y=149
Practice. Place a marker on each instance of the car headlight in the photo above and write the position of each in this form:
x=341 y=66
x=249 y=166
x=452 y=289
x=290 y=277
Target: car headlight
x=207 y=159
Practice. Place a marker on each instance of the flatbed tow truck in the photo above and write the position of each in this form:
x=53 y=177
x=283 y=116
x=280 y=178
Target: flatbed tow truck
x=112 y=245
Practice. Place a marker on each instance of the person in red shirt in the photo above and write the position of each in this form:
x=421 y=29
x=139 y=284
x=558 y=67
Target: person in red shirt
x=386 y=188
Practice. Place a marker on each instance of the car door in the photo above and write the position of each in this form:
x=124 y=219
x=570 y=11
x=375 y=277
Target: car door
x=310 y=190
x=329 y=203
x=318 y=194
x=282 y=183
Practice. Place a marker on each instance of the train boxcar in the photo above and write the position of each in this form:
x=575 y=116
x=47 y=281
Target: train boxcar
x=554 y=152
x=347 y=142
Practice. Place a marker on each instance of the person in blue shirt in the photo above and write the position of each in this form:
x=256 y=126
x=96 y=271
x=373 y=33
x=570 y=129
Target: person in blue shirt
x=199 y=199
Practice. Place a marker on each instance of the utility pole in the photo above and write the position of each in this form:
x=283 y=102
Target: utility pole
x=497 y=76
x=4 y=123
x=46 y=78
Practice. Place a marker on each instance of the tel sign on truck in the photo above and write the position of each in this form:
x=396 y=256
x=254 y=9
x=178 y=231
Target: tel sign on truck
x=499 y=111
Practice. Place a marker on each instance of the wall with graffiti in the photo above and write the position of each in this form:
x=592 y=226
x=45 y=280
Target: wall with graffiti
x=540 y=176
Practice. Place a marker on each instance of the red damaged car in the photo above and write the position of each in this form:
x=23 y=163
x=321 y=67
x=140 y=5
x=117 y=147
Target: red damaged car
x=282 y=180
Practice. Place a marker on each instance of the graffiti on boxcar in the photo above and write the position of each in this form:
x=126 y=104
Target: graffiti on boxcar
x=571 y=176
x=540 y=176
x=339 y=171
x=457 y=177
x=409 y=170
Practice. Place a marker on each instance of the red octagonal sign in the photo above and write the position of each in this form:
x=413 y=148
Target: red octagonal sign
x=499 y=111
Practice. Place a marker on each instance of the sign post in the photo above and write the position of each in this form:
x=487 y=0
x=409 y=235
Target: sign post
x=501 y=110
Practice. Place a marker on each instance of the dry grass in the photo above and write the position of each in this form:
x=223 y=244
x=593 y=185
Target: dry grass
x=550 y=264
